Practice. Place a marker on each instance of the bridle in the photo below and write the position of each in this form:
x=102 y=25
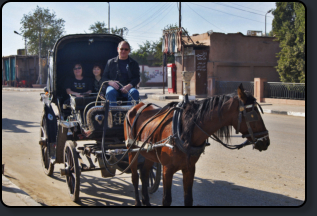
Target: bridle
x=250 y=116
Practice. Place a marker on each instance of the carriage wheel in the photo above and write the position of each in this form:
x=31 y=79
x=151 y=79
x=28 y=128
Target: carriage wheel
x=48 y=167
x=72 y=170
x=155 y=177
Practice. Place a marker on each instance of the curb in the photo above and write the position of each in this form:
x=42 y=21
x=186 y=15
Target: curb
x=298 y=114
x=18 y=193
x=24 y=89
x=162 y=97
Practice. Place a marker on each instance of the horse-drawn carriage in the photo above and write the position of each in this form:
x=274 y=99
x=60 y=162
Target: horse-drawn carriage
x=84 y=118
x=174 y=136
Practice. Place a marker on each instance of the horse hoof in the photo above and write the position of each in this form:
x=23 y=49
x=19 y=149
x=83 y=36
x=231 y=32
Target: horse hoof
x=137 y=204
x=146 y=203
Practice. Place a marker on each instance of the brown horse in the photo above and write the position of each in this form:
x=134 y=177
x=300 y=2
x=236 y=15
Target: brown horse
x=198 y=119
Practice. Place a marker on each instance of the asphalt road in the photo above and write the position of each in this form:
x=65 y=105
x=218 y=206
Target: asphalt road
x=224 y=177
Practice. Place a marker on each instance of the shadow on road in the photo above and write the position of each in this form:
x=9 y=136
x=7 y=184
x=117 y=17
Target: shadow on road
x=10 y=125
x=118 y=191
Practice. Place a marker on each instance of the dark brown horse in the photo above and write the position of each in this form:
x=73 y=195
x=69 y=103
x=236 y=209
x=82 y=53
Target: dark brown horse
x=214 y=115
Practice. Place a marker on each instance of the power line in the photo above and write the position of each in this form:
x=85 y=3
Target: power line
x=151 y=16
x=249 y=8
x=144 y=14
x=145 y=32
x=158 y=15
x=226 y=13
x=159 y=35
x=139 y=33
x=238 y=8
x=205 y=19
x=163 y=16
x=136 y=36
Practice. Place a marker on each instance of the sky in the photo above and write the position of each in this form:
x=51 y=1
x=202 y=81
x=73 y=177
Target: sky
x=145 y=20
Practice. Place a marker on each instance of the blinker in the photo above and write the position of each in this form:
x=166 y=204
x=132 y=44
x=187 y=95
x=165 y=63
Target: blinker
x=251 y=116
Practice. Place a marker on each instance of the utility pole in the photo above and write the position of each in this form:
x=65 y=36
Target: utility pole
x=180 y=15
x=109 y=17
x=40 y=65
x=180 y=26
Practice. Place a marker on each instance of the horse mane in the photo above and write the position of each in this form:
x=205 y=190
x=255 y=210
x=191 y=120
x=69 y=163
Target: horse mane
x=196 y=111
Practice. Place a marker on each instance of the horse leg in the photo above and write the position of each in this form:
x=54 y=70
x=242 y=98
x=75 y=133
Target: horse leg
x=145 y=173
x=188 y=180
x=167 y=185
x=135 y=178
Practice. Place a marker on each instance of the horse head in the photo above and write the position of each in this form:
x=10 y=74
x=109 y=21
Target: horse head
x=250 y=122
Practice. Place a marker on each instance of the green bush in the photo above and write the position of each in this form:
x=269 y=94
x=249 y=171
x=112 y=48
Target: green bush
x=144 y=78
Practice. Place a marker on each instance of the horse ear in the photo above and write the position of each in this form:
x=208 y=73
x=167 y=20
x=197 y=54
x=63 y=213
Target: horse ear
x=241 y=94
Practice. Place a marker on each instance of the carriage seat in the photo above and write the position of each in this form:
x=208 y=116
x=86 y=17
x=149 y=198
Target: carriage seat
x=79 y=103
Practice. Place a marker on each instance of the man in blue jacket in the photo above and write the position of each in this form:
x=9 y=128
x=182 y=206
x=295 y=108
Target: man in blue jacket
x=126 y=71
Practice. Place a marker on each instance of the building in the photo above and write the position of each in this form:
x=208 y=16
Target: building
x=25 y=68
x=226 y=57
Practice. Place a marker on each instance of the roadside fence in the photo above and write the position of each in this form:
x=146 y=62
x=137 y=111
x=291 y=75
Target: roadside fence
x=278 y=90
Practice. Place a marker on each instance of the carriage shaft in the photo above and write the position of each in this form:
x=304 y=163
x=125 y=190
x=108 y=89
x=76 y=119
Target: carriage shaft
x=122 y=151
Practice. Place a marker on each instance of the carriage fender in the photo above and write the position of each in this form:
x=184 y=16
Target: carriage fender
x=51 y=124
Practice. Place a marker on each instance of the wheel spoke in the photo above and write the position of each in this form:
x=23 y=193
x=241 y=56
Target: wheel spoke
x=72 y=170
x=48 y=167
x=151 y=178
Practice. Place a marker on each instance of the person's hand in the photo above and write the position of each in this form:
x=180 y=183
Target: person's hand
x=114 y=85
x=125 y=89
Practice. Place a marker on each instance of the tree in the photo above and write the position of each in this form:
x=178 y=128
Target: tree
x=289 y=29
x=100 y=28
x=41 y=24
x=120 y=31
x=151 y=53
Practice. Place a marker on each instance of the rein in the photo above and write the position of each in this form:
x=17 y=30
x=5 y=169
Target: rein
x=249 y=117
x=215 y=138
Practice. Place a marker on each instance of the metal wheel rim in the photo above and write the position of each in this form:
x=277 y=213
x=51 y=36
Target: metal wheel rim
x=69 y=165
x=48 y=168
x=152 y=176
x=72 y=170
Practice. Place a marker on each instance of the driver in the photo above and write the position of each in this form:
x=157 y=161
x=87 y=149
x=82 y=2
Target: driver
x=126 y=71
x=78 y=84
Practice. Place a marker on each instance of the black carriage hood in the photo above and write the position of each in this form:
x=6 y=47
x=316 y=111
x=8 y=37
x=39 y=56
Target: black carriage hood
x=86 y=49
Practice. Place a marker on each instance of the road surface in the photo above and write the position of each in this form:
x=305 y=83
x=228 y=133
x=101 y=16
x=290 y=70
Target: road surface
x=224 y=177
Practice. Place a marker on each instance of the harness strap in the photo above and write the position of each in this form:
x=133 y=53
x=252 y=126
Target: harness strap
x=248 y=125
x=177 y=129
x=137 y=116
x=131 y=141
x=255 y=134
x=245 y=143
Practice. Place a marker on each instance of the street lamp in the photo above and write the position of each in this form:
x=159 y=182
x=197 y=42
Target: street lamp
x=265 y=19
x=26 y=62
x=109 y=16
x=24 y=40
